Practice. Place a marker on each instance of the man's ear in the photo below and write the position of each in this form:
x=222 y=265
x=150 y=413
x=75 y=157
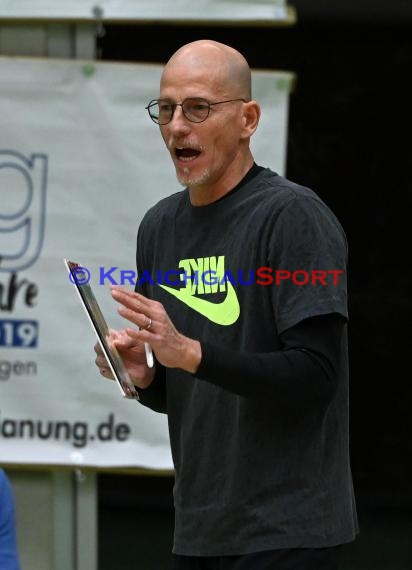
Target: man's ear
x=251 y=116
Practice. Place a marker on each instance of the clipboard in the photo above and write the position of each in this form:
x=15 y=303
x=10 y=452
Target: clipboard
x=80 y=280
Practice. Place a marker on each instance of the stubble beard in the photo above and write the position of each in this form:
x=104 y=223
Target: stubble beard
x=186 y=180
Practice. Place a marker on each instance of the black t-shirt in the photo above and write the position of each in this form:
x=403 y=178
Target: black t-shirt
x=258 y=469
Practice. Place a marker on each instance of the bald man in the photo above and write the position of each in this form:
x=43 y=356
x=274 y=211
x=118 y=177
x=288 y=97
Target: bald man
x=251 y=358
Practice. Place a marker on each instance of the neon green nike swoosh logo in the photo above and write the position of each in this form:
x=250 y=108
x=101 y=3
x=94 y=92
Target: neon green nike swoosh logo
x=225 y=313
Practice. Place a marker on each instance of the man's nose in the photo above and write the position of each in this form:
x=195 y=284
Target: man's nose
x=179 y=122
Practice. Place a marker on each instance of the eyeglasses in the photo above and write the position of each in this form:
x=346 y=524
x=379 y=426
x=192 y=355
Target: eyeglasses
x=195 y=109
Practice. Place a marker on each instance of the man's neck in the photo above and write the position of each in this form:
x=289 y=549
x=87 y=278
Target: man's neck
x=209 y=192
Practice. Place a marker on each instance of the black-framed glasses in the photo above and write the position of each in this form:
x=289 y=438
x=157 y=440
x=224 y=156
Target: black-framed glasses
x=195 y=109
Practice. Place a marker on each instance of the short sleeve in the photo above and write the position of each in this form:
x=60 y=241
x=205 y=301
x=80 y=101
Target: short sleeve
x=308 y=256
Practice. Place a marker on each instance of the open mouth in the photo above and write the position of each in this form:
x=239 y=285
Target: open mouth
x=186 y=153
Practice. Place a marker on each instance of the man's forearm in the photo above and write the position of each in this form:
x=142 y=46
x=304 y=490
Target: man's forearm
x=306 y=368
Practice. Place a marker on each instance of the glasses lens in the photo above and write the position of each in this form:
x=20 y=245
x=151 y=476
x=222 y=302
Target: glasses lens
x=196 y=109
x=165 y=111
x=160 y=111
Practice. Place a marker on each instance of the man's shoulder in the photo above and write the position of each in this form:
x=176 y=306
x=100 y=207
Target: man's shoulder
x=271 y=180
x=277 y=192
x=290 y=201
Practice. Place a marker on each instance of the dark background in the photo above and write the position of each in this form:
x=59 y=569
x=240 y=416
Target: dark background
x=349 y=139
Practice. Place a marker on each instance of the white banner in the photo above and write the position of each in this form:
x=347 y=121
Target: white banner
x=151 y=10
x=80 y=163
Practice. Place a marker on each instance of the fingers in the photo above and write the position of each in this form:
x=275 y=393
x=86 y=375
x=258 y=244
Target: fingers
x=135 y=335
x=120 y=339
x=125 y=342
x=142 y=321
x=130 y=299
x=106 y=373
x=103 y=367
x=149 y=324
x=136 y=308
x=101 y=362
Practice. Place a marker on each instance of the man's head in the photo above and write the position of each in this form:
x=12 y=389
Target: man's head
x=209 y=145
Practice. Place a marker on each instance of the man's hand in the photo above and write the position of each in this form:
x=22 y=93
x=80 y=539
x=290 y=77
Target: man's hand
x=133 y=355
x=172 y=349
